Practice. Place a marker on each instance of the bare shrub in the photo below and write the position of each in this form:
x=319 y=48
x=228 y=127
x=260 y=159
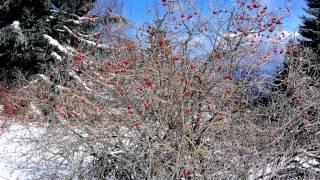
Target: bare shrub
x=152 y=110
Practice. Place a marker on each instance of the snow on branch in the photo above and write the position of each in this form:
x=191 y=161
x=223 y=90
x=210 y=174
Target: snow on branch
x=16 y=25
x=55 y=43
x=90 y=43
x=93 y=19
x=56 y=56
x=45 y=79
x=114 y=19
x=114 y=153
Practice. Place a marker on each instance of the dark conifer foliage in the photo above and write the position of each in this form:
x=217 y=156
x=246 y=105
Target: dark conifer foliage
x=79 y=7
x=21 y=47
x=280 y=84
x=23 y=24
x=310 y=30
x=311 y=25
x=27 y=11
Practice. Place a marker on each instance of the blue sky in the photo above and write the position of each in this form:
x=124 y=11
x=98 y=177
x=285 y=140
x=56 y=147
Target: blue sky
x=136 y=10
x=292 y=23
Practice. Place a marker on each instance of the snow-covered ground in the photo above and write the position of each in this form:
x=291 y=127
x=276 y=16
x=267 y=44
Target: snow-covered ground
x=11 y=152
x=13 y=145
x=21 y=156
x=16 y=140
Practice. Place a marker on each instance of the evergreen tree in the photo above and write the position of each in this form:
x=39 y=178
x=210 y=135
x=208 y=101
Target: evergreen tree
x=280 y=80
x=311 y=25
x=19 y=44
x=75 y=6
x=311 y=31
x=27 y=11
x=24 y=25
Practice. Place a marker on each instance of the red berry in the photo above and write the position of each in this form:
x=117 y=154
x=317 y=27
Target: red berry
x=161 y=42
x=46 y=95
x=130 y=110
x=116 y=71
x=82 y=100
x=298 y=99
x=126 y=62
x=271 y=29
x=281 y=51
x=218 y=55
x=148 y=82
x=99 y=107
x=186 y=173
x=79 y=58
x=278 y=21
x=62 y=114
x=228 y=77
x=123 y=71
x=255 y=6
x=219 y=69
x=187 y=93
x=136 y=126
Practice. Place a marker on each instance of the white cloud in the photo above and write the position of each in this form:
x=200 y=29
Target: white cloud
x=197 y=40
x=267 y=2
